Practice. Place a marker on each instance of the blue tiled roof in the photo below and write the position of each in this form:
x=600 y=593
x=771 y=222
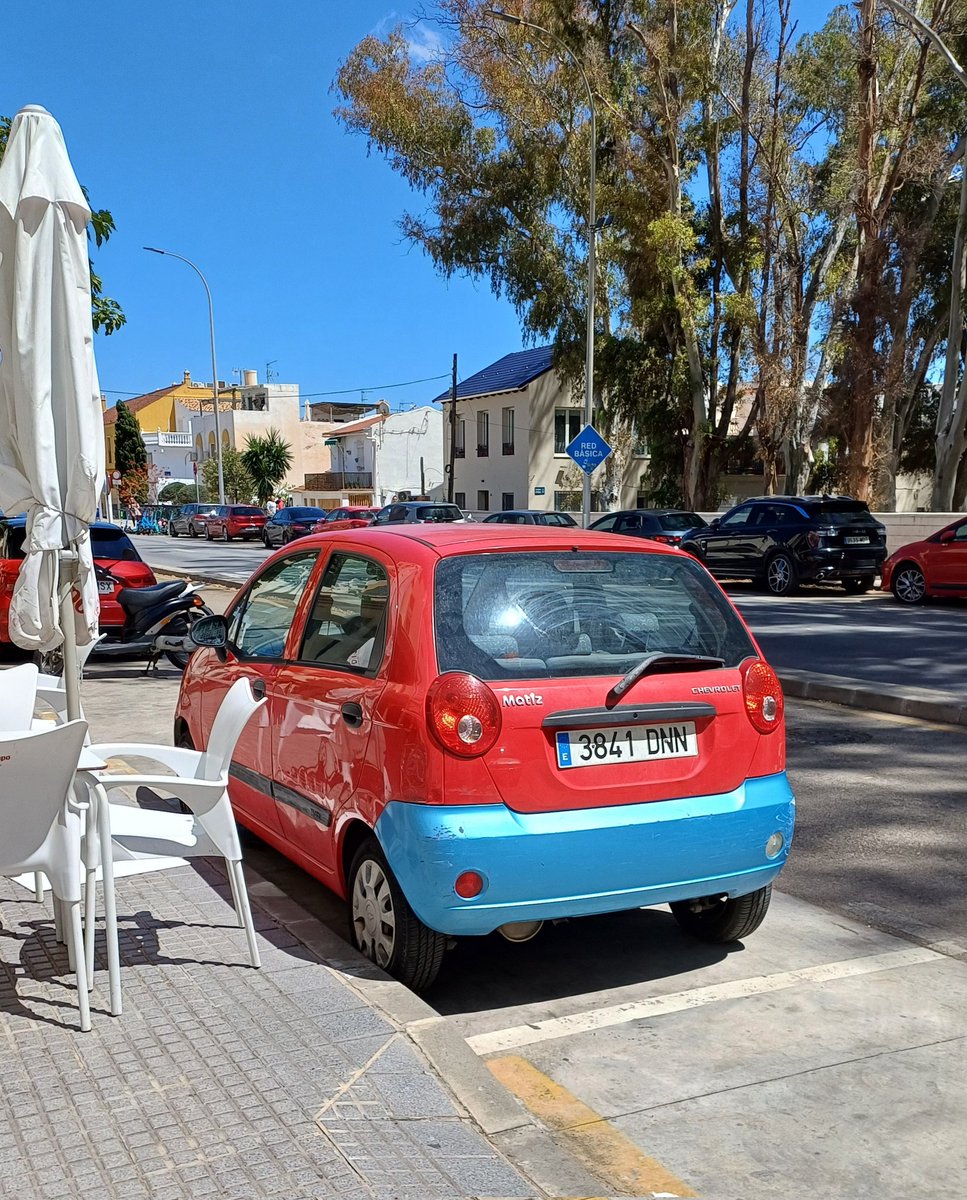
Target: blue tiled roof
x=507 y=374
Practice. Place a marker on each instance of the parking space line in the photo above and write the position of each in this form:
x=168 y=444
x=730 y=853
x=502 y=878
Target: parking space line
x=502 y=1040
x=605 y=1151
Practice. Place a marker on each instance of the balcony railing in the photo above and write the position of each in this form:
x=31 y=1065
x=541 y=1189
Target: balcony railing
x=339 y=481
x=161 y=438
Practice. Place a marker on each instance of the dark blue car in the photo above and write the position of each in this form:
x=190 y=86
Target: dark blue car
x=289 y=524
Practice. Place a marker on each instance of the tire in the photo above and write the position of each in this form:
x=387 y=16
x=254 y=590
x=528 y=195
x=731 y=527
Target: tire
x=179 y=658
x=192 y=531
x=225 y=537
x=172 y=532
x=411 y=952
x=693 y=549
x=856 y=587
x=724 y=920
x=908 y=584
x=781 y=578
x=265 y=541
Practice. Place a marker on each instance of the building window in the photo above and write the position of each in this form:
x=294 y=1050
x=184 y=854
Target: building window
x=641 y=448
x=572 y=501
x=507 y=500
x=567 y=425
x=507 y=430
x=483 y=434
x=460 y=499
x=460 y=441
x=483 y=500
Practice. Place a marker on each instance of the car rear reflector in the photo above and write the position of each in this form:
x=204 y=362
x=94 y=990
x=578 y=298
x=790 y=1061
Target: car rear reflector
x=463 y=714
x=763 y=695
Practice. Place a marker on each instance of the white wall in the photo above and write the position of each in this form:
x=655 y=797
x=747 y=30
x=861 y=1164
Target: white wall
x=401 y=441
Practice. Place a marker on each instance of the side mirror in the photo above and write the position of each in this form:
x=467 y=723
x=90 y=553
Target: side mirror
x=715 y=522
x=947 y=535
x=211 y=631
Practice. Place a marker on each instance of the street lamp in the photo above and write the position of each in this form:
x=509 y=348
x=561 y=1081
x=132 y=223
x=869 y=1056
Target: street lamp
x=509 y=19
x=211 y=326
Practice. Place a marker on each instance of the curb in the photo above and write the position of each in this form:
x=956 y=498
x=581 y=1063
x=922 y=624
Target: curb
x=920 y=703
x=195 y=577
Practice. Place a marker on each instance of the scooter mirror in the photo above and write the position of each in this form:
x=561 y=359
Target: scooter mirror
x=210 y=631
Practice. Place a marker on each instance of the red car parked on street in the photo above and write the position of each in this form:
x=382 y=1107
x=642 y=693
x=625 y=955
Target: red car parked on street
x=350 y=516
x=937 y=566
x=113 y=550
x=228 y=521
x=473 y=728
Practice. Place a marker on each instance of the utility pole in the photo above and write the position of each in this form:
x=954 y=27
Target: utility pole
x=422 y=478
x=453 y=431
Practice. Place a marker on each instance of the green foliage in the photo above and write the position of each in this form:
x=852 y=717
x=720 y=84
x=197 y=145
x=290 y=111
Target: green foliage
x=239 y=488
x=177 y=493
x=129 y=451
x=267 y=459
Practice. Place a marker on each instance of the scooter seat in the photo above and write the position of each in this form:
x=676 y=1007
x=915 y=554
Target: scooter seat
x=137 y=599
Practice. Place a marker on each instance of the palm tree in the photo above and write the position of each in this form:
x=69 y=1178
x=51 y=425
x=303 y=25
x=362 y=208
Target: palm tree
x=267 y=458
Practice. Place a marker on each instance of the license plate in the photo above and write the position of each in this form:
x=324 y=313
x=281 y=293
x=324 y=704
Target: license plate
x=625 y=744
x=856 y=541
x=105 y=589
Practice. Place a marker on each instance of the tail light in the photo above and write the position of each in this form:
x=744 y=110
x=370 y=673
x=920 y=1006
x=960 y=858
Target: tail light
x=814 y=539
x=667 y=539
x=762 y=692
x=463 y=714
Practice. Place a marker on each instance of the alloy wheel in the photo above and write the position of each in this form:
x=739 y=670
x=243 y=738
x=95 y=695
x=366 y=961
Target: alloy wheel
x=779 y=575
x=909 y=585
x=374 y=918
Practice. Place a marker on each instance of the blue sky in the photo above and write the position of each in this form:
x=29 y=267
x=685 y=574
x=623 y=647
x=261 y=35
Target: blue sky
x=206 y=127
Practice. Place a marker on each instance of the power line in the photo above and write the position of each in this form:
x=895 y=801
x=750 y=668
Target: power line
x=379 y=387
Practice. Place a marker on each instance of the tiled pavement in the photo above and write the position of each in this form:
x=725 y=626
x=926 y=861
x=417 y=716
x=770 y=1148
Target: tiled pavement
x=218 y=1080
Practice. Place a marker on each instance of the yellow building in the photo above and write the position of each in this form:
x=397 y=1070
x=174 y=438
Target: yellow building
x=156 y=410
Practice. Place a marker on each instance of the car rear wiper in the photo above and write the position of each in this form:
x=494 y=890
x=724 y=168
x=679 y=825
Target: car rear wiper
x=657 y=661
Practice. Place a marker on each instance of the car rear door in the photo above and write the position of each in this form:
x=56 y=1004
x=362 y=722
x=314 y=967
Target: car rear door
x=260 y=625
x=723 y=544
x=324 y=699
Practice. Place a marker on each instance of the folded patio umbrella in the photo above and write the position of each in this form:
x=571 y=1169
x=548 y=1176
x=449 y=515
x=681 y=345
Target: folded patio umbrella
x=51 y=428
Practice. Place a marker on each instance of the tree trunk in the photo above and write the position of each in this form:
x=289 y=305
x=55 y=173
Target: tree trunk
x=952 y=414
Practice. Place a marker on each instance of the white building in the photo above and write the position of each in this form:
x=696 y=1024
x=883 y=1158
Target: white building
x=513 y=423
x=380 y=457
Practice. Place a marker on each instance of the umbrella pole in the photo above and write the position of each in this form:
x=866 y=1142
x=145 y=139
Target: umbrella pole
x=72 y=683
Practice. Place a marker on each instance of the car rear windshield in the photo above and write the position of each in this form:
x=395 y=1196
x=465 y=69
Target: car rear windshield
x=680 y=520
x=304 y=514
x=439 y=512
x=842 y=512
x=559 y=614
x=245 y=511
x=112 y=543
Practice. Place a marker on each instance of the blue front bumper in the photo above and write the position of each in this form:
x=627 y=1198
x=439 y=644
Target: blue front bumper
x=542 y=866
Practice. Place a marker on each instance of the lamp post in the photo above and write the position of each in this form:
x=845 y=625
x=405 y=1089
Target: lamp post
x=211 y=326
x=509 y=19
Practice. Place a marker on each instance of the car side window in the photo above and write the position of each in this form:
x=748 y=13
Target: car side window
x=960 y=533
x=628 y=523
x=606 y=524
x=259 y=626
x=736 y=519
x=346 y=628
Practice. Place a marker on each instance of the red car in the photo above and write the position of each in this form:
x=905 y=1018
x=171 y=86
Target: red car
x=350 y=516
x=113 y=550
x=937 y=566
x=228 y=521
x=473 y=728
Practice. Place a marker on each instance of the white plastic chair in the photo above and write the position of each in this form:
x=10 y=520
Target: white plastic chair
x=52 y=690
x=40 y=825
x=200 y=782
x=18 y=694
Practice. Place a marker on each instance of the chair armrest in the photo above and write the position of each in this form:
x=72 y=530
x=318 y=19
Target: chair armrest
x=198 y=794
x=179 y=759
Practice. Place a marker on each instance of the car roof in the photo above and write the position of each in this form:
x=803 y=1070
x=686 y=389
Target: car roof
x=527 y=512
x=409 y=541
x=21 y=521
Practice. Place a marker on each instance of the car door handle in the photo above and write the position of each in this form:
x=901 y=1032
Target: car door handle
x=352 y=714
x=258 y=689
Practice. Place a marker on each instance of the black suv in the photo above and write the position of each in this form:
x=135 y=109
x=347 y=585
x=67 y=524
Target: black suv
x=782 y=541
x=409 y=511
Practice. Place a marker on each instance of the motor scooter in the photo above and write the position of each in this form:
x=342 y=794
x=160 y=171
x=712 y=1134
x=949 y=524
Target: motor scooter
x=157 y=621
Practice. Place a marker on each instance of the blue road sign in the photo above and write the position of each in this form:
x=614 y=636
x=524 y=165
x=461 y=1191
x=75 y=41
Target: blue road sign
x=589 y=449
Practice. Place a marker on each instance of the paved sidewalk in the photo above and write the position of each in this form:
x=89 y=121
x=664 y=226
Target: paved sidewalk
x=218 y=1080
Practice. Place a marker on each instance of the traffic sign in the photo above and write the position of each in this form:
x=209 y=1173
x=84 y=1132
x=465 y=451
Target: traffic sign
x=116 y=476
x=589 y=449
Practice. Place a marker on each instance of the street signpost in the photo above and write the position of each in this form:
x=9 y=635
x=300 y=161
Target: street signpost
x=588 y=450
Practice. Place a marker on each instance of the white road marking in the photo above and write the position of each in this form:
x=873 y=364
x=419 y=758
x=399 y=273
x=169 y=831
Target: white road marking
x=502 y=1040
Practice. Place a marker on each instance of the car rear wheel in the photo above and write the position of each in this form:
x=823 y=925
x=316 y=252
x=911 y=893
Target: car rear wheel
x=781 y=575
x=225 y=537
x=855 y=587
x=192 y=531
x=720 y=919
x=172 y=532
x=384 y=927
x=909 y=585
x=265 y=541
